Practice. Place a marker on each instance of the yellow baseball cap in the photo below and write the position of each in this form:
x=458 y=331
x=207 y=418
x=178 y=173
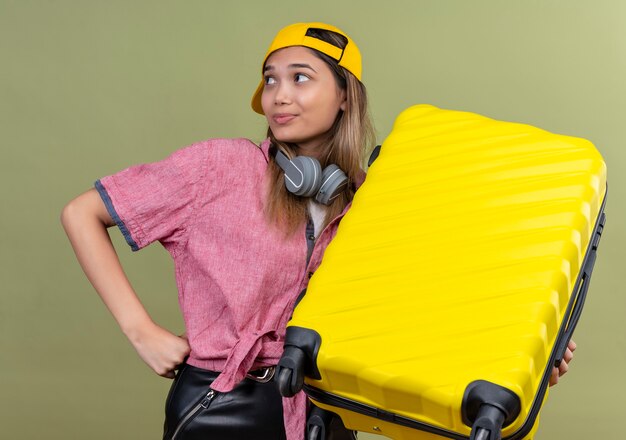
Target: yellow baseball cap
x=298 y=35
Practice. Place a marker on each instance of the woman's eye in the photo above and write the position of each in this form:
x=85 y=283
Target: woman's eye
x=269 y=80
x=301 y=77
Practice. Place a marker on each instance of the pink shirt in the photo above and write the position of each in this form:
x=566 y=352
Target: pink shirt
x=237 y=275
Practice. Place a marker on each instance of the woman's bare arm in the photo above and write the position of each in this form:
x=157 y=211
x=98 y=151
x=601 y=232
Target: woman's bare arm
x=86 y=220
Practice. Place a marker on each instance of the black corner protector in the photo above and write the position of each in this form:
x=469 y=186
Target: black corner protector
x=309 y=342
x=481 y=392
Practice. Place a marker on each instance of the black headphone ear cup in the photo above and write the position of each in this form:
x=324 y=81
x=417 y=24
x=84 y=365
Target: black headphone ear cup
x=334 y=182
x=311 y=171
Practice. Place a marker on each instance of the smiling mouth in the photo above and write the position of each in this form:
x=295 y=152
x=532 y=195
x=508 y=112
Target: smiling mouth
x=283 y=119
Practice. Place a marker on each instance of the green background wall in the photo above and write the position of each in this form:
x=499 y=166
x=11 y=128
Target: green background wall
x=88 y=88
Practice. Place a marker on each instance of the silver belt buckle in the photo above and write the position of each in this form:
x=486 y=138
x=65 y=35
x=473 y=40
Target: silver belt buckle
x=262 y=375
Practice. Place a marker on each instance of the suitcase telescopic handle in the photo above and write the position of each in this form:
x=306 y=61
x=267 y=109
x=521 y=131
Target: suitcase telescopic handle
x=581 y=292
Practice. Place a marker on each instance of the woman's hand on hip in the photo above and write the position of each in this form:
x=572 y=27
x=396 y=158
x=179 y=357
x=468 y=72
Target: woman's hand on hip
x=162 y=350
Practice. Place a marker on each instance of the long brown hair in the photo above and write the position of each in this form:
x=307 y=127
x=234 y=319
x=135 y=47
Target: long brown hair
x=347 y=142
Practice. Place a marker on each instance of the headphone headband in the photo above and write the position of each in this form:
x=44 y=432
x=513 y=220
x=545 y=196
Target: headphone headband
x=304 y=177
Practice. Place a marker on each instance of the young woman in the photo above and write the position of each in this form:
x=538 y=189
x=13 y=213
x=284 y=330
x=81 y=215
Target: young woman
x=246 y=226
x=243 y=245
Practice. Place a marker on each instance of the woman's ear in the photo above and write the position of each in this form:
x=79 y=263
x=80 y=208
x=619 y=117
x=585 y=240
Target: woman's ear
x=344 y=101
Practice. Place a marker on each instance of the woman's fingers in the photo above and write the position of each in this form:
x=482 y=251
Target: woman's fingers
x=571 y=345
x=554 y=377
x=568 y=356
x=564 y=365
x=160 y=349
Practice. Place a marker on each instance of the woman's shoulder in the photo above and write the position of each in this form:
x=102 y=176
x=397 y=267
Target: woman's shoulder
x=243 y=144
x=227 y=147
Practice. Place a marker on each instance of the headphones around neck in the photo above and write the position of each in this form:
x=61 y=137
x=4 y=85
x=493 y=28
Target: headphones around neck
x=304 y=177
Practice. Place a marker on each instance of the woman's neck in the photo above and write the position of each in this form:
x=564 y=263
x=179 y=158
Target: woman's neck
x=309 y=150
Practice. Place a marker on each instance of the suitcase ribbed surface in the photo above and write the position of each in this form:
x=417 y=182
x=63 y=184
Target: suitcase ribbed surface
x=455 y=263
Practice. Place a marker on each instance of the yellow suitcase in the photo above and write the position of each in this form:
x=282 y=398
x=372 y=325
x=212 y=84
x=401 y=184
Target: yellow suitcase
x=454 y=281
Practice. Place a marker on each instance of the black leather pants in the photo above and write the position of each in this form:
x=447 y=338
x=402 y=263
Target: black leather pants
x=253 y=410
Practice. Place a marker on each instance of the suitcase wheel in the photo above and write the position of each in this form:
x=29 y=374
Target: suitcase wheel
x=314 y=433
x=482 y=434
x=291 y=371
x=318 y=424
x=288 y=382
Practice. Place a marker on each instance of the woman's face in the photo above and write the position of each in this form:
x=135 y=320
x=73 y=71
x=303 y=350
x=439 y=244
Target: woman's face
x=301 y=98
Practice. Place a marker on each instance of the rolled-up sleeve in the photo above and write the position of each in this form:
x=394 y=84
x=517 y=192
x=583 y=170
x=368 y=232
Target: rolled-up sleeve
x=156 y=201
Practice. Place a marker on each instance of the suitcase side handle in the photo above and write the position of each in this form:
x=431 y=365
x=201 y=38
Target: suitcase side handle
x=581 y=292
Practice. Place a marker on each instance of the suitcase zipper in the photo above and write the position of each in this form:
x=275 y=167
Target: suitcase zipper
x=204 y=404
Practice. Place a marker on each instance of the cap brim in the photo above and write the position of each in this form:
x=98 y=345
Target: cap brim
x=256 y=99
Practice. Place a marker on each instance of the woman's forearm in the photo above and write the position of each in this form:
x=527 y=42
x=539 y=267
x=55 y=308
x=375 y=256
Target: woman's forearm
x=86 y=220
